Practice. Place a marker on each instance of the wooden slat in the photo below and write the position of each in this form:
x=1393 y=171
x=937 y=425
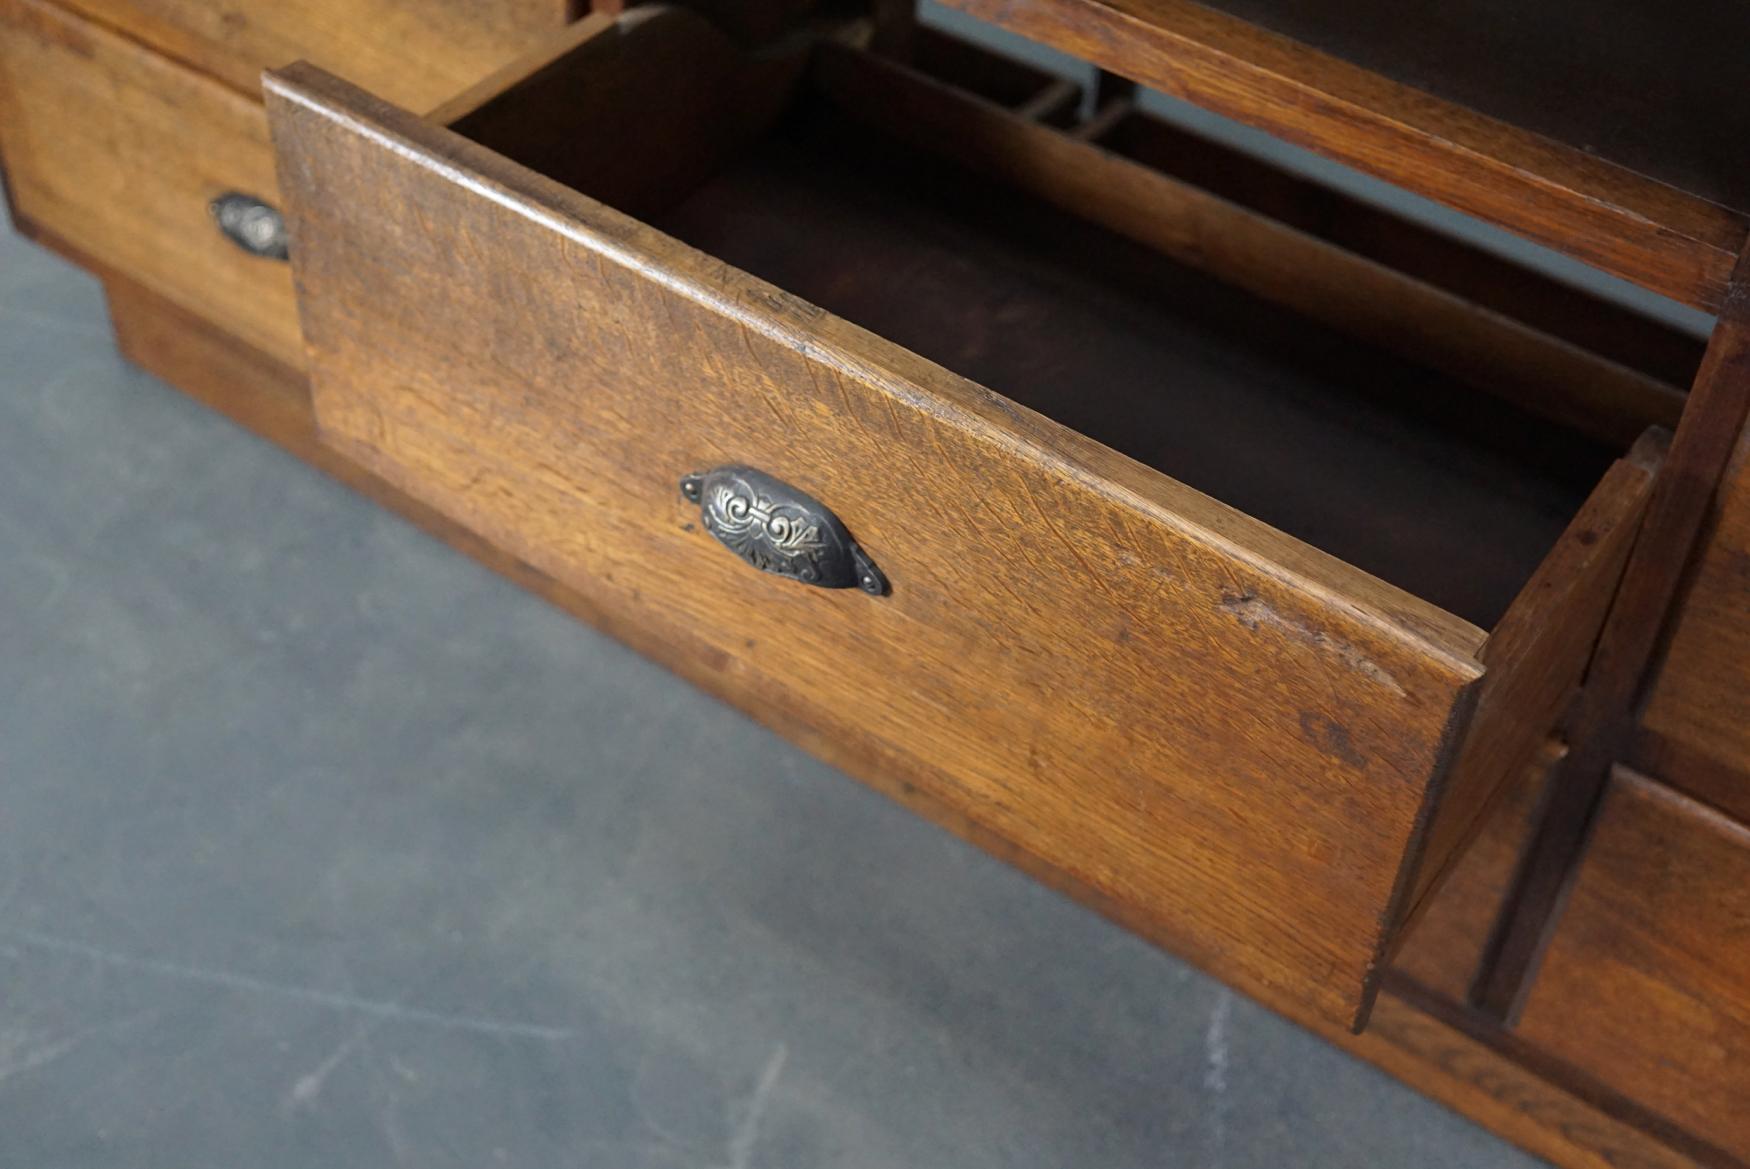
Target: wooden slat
x=1663 y=239
x=1289 y=241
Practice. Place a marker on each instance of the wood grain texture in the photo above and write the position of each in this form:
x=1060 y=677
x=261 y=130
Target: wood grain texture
x=416 y=52
x=1443 y=946
x=1603 y=721
x=1413 y=1034
x=1539 y=653
x=1212 y=724
x=1673 y=242
x=1646 y=985
x=1695 y=728
x=120 y=151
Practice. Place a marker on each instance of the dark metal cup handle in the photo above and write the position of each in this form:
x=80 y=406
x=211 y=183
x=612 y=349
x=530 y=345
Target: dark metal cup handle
x=256 y=227
x=780 y=530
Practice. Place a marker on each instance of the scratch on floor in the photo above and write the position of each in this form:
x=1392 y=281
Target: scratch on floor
x=307 y=1087
x=332 y=1000
x=1215 y=1067
x=741 y=1143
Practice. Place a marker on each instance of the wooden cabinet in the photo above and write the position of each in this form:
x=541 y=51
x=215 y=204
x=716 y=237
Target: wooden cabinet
x=1280 y=577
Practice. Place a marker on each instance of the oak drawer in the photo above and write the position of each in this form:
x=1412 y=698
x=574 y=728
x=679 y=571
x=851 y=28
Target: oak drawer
x=122 y=153
x=416 y=52
x=1695 y=726
x=1645 y=987
x=1243 y=745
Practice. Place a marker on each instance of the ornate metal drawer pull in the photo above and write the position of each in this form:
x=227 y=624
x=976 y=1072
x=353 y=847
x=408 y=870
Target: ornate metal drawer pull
x=778 y=529
x=252 y=225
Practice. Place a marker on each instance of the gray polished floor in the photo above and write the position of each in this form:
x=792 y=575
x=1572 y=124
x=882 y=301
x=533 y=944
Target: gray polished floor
x=322 y=846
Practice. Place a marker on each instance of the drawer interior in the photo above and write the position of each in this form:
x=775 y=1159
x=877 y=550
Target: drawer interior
x=1394 y=468
x=1447 y=487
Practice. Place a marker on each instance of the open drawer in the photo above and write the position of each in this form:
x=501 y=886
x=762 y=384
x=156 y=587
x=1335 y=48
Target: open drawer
x=1184 y=612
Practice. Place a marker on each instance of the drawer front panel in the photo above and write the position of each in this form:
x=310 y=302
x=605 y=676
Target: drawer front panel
x=1226 y=738
x=1696 y=725
x=416 y=52
x=121 y=153
x=1646 y=984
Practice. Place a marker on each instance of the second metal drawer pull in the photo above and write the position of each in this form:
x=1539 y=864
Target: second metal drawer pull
x=780 y=530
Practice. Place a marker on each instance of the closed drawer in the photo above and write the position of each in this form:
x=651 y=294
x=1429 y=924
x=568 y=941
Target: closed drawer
x=1242 y=742
x=416 y=52
x=1645 y=987
x=1695 y=728
x=122 y=153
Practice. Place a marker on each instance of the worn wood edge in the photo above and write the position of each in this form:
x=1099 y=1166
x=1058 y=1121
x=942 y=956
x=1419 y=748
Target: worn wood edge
x=1406 y=1039
x=1603 y=722
x=1446 y=641
x=1669 y=241
x=1488 y=349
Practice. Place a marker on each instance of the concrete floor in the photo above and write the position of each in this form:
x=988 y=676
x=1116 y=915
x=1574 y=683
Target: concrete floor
x=322 y=846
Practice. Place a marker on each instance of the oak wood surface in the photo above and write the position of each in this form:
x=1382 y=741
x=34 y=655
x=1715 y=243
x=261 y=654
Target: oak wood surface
x=1646 y=985
x=1602 y=724
x=1202 y=719
x=1483 y=1074
x=1674 y=242
x=416 y=52
x=1414 y=1034
x=1540 y=651
x=1441 y=949
x=120 y=150
x=1695 y=728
